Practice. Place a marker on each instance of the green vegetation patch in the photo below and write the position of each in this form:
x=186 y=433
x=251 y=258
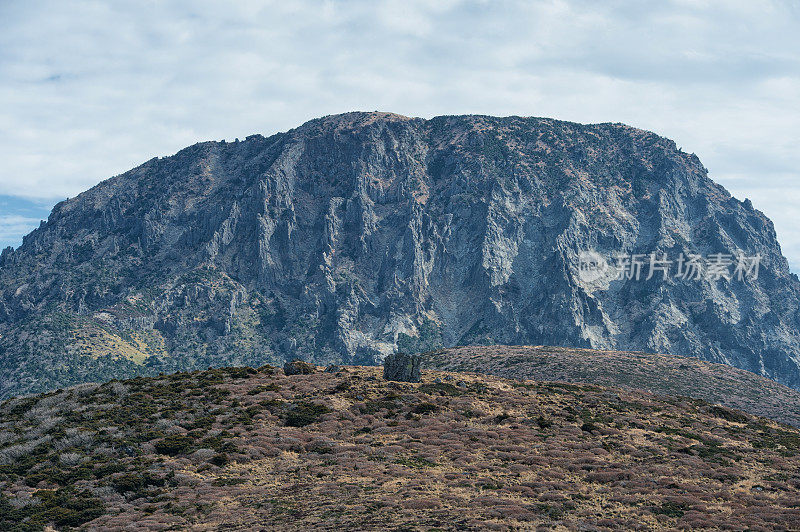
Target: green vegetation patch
x=670 y=509
x=304 y=413
x=727 y=414
x=417 y=462
x=63 y=507
x=441 y=388
x=175 y=444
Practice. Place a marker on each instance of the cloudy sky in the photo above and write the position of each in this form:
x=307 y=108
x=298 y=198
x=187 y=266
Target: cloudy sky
x=89 y=89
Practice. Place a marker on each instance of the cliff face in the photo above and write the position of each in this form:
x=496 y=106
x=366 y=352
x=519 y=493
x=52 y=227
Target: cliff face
x=351 y=234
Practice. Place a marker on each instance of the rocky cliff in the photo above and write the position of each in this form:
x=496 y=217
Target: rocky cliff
x=354 y=234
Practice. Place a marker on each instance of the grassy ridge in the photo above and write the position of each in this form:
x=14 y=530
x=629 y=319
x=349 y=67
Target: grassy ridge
x=244 y=448
x=656 y=373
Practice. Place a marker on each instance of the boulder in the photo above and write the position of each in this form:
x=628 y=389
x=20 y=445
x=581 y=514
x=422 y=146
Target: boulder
x=402 y=367
x=298 y=367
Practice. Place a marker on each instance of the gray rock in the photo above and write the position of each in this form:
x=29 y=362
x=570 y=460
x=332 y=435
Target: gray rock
x=358 y=235
x=402 y=367
x=298 y=367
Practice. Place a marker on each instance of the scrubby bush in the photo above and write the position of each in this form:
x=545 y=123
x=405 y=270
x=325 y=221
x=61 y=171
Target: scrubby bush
x=175 y=444
x=220 y=459
x=366 y=464
x=425 y=408
x=70 y=459
x=305 y=413
x=440 y=388
x=728 y=414
x=63 y=508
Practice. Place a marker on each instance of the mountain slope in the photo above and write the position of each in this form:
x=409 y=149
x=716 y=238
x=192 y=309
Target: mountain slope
x=353 y=234
x=654 y=373
x=243 y=449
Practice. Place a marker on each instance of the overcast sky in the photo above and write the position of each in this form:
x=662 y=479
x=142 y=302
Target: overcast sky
x=91 y=89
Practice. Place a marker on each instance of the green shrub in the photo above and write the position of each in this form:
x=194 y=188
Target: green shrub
x=425 y=408
x=239 y=373
x=304 y=413
x=175 y=444
x=417 y=462
x=202 y=422
x=440 y=388
x=229 y=481
x=220 y=459
x=63 y=507
x=728 y=414
x=670 y=509
x=342 y=386
x=373 y=407
x=266 y=369
x=219 y=443
x=272 y=387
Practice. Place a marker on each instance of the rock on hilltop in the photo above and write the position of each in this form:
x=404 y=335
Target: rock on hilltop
x=347 y=237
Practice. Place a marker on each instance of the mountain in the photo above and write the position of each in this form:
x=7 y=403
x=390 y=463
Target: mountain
x=358 y=234
x=654 y=373
x=245 y=449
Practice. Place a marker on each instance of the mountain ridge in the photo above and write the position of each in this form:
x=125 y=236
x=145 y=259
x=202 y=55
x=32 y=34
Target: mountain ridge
x=352 y=234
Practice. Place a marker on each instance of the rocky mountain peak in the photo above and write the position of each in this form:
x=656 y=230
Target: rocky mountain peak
x=357 y=235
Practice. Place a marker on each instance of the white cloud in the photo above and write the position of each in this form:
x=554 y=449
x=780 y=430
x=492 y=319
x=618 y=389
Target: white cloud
x=14 y=226
x=90 y=89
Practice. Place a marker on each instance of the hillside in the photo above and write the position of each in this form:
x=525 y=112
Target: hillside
x=240 y=448
x=355 y=235
x=655 y=373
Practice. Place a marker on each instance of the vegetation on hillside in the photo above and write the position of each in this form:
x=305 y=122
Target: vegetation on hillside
x=241 y=447
x=656 y=373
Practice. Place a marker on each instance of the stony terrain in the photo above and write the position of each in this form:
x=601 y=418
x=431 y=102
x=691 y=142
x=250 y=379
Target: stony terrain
x=655 y=373
x=241 y=448
x=356 y=235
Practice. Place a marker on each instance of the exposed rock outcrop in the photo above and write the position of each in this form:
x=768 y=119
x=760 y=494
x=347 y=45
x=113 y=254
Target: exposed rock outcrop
x=357 y=235
x=402 y=367
x=298 y=367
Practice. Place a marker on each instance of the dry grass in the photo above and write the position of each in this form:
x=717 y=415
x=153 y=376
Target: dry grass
x=656 y=373
x=241 y=448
